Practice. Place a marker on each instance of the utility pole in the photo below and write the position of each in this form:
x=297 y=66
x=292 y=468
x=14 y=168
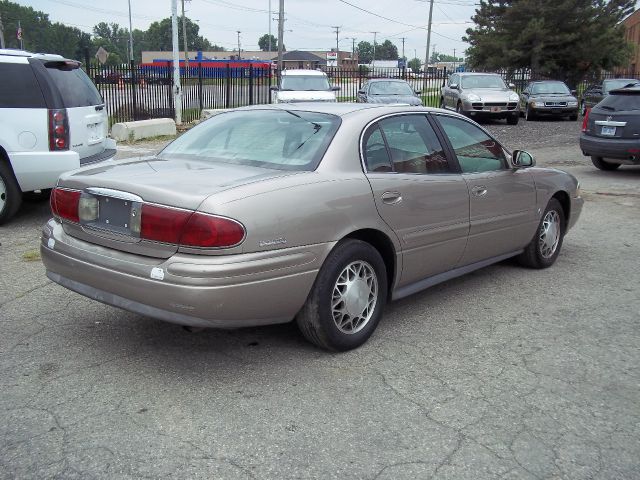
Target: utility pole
x=337 y=47
x=1 y=32
x=184 y=39
x=426 y=59
x=373 y=61
x=177 y=89
x=238 y=44
x=280 y=34
x=454 y=59
x=403 y=39
x=130 y=36
x=269 y=25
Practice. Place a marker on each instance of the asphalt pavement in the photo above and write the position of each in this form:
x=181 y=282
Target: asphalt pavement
x=504 y=373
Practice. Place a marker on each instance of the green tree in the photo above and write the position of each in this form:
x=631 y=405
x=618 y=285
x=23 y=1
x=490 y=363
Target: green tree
x=415 y=64
x=158 y=37
x=365 y=52
x=386 y=51
x=441 y=57
x=263 y=43
x=563 y=39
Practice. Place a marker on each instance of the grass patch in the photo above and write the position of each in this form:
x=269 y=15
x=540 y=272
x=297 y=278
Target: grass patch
x=31 y=256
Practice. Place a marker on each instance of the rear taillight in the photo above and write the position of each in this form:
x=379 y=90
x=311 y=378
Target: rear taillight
x=585 y=122
x=58 y=130
x=191 y=229
x=64 y=204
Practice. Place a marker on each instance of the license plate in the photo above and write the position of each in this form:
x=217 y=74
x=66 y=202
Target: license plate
x=495 y=109
x=95 y=132
x=115 y=214
x=610 y=131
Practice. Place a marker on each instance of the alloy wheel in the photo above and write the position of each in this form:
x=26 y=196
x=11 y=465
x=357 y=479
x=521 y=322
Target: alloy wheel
x=549 y=234
x=354 y=297
x=3 y=194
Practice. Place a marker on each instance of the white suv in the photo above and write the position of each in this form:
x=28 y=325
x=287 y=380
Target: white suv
x=52 y=119
x=304 y=86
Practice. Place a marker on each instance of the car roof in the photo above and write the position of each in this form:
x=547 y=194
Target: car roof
x=374 y=80
x=547 y=81
x=301 y=71
x=8 y=52
x=470 y=74
x=340 y=109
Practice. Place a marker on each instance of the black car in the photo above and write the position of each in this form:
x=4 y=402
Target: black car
x=611 y=130
x=386 y=90
x=594 y=93
x=548 y=97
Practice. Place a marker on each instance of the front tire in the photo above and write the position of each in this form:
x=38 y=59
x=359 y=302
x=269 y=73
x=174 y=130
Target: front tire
x=601 y=164
x=544 y=248
x=347 y=298
x=10 y=194
x=460 y=110
x=529 y=114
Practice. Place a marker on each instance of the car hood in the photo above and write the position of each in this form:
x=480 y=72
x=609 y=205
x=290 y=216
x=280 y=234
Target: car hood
x=306 y=96
x=489 y=94
x=406 y=99
x=177 y=182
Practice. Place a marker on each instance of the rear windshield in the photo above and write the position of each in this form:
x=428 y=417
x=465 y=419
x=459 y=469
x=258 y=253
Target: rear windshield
x=280 y=139
x=76 y=88
x=621 y=102
x=306 y=83
x=609 y=85
x=19 y=87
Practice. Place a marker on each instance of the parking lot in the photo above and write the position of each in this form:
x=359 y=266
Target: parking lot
x=503 y=373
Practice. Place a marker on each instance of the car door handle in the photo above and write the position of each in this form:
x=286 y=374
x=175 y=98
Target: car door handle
x=479 y=190
x=391 y=198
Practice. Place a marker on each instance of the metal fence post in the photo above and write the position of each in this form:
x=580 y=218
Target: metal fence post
x=132 y=66
x=250 y=85
x=200 y=99
x=227 y=101
x=269 y=93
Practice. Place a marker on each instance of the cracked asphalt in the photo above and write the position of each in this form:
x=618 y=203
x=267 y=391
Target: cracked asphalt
x=504 y=373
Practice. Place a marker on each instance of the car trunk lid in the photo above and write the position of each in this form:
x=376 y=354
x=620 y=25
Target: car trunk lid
x=122 y=188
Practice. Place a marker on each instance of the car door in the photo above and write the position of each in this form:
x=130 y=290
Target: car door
x=363 y=93
x=452 y=99
x=418 y=193
x=524 y=98
x=502 y=200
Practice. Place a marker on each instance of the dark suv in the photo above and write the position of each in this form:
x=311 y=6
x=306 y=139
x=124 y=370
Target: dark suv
x=611 y=130
x=594 y=93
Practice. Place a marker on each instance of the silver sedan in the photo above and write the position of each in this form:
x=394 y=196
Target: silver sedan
x=321 y=213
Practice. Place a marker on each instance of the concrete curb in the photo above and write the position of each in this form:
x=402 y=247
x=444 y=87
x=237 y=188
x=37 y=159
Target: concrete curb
x=156 y=127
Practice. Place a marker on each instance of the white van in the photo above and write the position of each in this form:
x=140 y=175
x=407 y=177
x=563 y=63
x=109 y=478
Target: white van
x=304 y=86
x=52 y=119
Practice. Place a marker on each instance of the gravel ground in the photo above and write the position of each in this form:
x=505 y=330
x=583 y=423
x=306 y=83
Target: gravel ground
x=506 y=373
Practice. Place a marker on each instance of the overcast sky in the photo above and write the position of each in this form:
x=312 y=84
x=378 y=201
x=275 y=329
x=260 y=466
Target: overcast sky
x=308 y=23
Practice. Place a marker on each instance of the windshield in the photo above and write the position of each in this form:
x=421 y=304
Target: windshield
x=483 y=81
x=609 y=85
x=390 y=88
x=280 y=139
x=550 y=88
x=308 y=83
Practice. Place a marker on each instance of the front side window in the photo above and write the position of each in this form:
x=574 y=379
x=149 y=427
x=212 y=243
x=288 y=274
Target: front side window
x=476 y=151
x=413 y=145
x=280 y=139
x=453 y=80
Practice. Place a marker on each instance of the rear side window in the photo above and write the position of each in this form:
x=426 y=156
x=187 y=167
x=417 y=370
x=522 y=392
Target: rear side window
x=19 y=87
x=76 y=88
x=618 y=102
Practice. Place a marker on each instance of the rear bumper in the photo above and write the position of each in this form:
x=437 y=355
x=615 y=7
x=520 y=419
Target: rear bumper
x=99 y=157
x=40 y=170
x=225 y=291
x=626 y=151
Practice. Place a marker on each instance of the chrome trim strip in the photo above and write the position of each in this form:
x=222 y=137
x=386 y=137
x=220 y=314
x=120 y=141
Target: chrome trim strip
x=609 y=123
x=109 y=192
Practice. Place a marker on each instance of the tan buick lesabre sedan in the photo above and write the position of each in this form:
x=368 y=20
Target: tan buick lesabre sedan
x=318 y=212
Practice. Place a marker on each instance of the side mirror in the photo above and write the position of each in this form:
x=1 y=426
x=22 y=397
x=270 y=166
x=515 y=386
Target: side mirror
x=273 y=88
x=454 y=86
x=418 y=92
x=574 y=92
x=361 y=92
x=512 y=86
x=335 y=88
x=522 y=159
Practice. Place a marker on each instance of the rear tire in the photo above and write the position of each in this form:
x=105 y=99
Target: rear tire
x=601 y=164
x=347 y=299
x=10 y=194
x=544 y=248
